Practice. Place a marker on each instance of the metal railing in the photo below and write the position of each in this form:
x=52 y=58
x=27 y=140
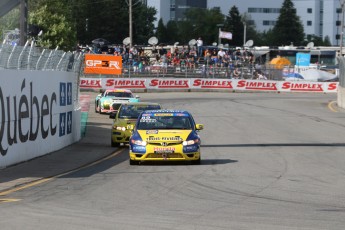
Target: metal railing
x=30 y=57
x=198 y=71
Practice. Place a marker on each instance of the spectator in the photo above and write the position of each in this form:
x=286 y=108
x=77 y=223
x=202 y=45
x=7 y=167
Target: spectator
x=236 y=73
x=199 y=44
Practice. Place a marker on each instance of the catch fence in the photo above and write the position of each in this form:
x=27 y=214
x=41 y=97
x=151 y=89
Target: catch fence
x=30 y=57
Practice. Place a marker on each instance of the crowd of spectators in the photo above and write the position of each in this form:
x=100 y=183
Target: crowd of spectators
x=202 y=58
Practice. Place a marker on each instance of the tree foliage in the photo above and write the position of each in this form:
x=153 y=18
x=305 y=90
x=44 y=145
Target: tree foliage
x=234 y=24
x=113 y=23
x=9 y=22
x=288 y=29
x=58 y=30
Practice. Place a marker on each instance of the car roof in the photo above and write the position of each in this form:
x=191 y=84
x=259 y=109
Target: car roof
x=168 y=111
x=140 y=103
x=118 y=90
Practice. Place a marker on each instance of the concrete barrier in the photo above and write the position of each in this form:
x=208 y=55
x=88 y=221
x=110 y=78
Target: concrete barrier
x=39 y=114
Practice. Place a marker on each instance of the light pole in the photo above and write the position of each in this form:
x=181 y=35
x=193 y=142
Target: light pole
x=244 y=33
x=219 y=38
x=342 y=28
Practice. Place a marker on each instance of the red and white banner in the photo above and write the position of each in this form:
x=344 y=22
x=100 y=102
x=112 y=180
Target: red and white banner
x=226 y=35
x=208 y=84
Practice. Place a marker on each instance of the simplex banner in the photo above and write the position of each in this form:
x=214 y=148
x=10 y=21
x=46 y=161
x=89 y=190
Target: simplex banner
x=209 y=84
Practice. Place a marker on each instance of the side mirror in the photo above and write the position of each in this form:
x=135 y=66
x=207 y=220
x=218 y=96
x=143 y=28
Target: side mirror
x=199 y=127
x=137 y=96
x=112 y=115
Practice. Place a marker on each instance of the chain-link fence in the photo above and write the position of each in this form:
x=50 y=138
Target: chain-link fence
x=200 y=70
x=30 y=57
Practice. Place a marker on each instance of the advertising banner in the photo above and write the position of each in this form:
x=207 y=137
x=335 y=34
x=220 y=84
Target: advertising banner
x=209 y=84
x=103 y=64
x=37 y=114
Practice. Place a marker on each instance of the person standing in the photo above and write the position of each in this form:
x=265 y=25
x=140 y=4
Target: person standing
x=199 y=44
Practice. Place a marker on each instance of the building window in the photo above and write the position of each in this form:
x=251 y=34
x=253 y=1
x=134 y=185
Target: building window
x=264 y=10
x=338 y=23
x=337 y=37
x=268 y=23
x=338 y=11
x=310 y=10
x=309 y=23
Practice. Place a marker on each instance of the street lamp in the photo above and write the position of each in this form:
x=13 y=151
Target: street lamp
x=219 y=38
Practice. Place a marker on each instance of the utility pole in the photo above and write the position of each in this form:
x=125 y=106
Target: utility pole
x=130 y=25
x=219 y=31
x=23 y=21
x=342 y=28
x=244 y=33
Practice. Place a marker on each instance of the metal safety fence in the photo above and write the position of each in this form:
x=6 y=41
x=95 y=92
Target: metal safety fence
x=262 y=72
x=30 y=57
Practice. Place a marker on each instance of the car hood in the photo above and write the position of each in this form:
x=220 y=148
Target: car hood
x=124 y=122
x=169 y=136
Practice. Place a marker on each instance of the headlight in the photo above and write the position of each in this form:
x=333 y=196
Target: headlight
x=190 y=142
x=121 y=128
x=139 y=142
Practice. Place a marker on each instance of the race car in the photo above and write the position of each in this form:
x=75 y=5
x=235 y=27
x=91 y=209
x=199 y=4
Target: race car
x=127 y=115
x=111 y=99
x=165 y=135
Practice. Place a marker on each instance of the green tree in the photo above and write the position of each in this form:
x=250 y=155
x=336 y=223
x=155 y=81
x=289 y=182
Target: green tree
x=161 y=32
x=113 y=21
x=234 y=24
x=288 y=28
x=9 y=22
x=201 y=23
x=172 y=31
x=54 y=18
x=327 y=41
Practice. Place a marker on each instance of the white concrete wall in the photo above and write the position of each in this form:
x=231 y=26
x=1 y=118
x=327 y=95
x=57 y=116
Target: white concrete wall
x=37 y=114
x=341 y=97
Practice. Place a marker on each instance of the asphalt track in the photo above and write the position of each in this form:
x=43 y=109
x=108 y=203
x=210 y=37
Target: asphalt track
x=269 y=161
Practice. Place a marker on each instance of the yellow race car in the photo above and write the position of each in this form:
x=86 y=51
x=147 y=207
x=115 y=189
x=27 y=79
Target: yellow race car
x=126 y=116
x=165 y=135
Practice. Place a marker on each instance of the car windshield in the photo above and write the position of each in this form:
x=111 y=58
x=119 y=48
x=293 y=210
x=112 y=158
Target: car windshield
x=119 y=94
x=164 y=122
x=133 y=111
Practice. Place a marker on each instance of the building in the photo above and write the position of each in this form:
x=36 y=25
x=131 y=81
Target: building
x=174 y=9
x=319 y=17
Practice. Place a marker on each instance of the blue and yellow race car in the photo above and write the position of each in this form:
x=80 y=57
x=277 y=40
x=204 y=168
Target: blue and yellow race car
x=165 y=135
x=111 y=99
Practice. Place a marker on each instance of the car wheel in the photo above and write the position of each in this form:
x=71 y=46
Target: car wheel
x=100 y=109
x=196 y=162
x=96 y=106
x=114 y=144
x=132 y=162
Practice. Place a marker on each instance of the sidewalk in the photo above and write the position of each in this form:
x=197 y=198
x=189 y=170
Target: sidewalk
x=93 y=146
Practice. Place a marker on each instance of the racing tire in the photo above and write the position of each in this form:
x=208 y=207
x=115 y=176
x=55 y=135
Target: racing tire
x=100 y=109
x=96 y=108
x=196 y=162
x=132 y=162
x=114 y=144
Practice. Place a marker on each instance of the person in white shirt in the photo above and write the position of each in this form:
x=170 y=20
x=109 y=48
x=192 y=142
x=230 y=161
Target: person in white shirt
x=199 y=44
